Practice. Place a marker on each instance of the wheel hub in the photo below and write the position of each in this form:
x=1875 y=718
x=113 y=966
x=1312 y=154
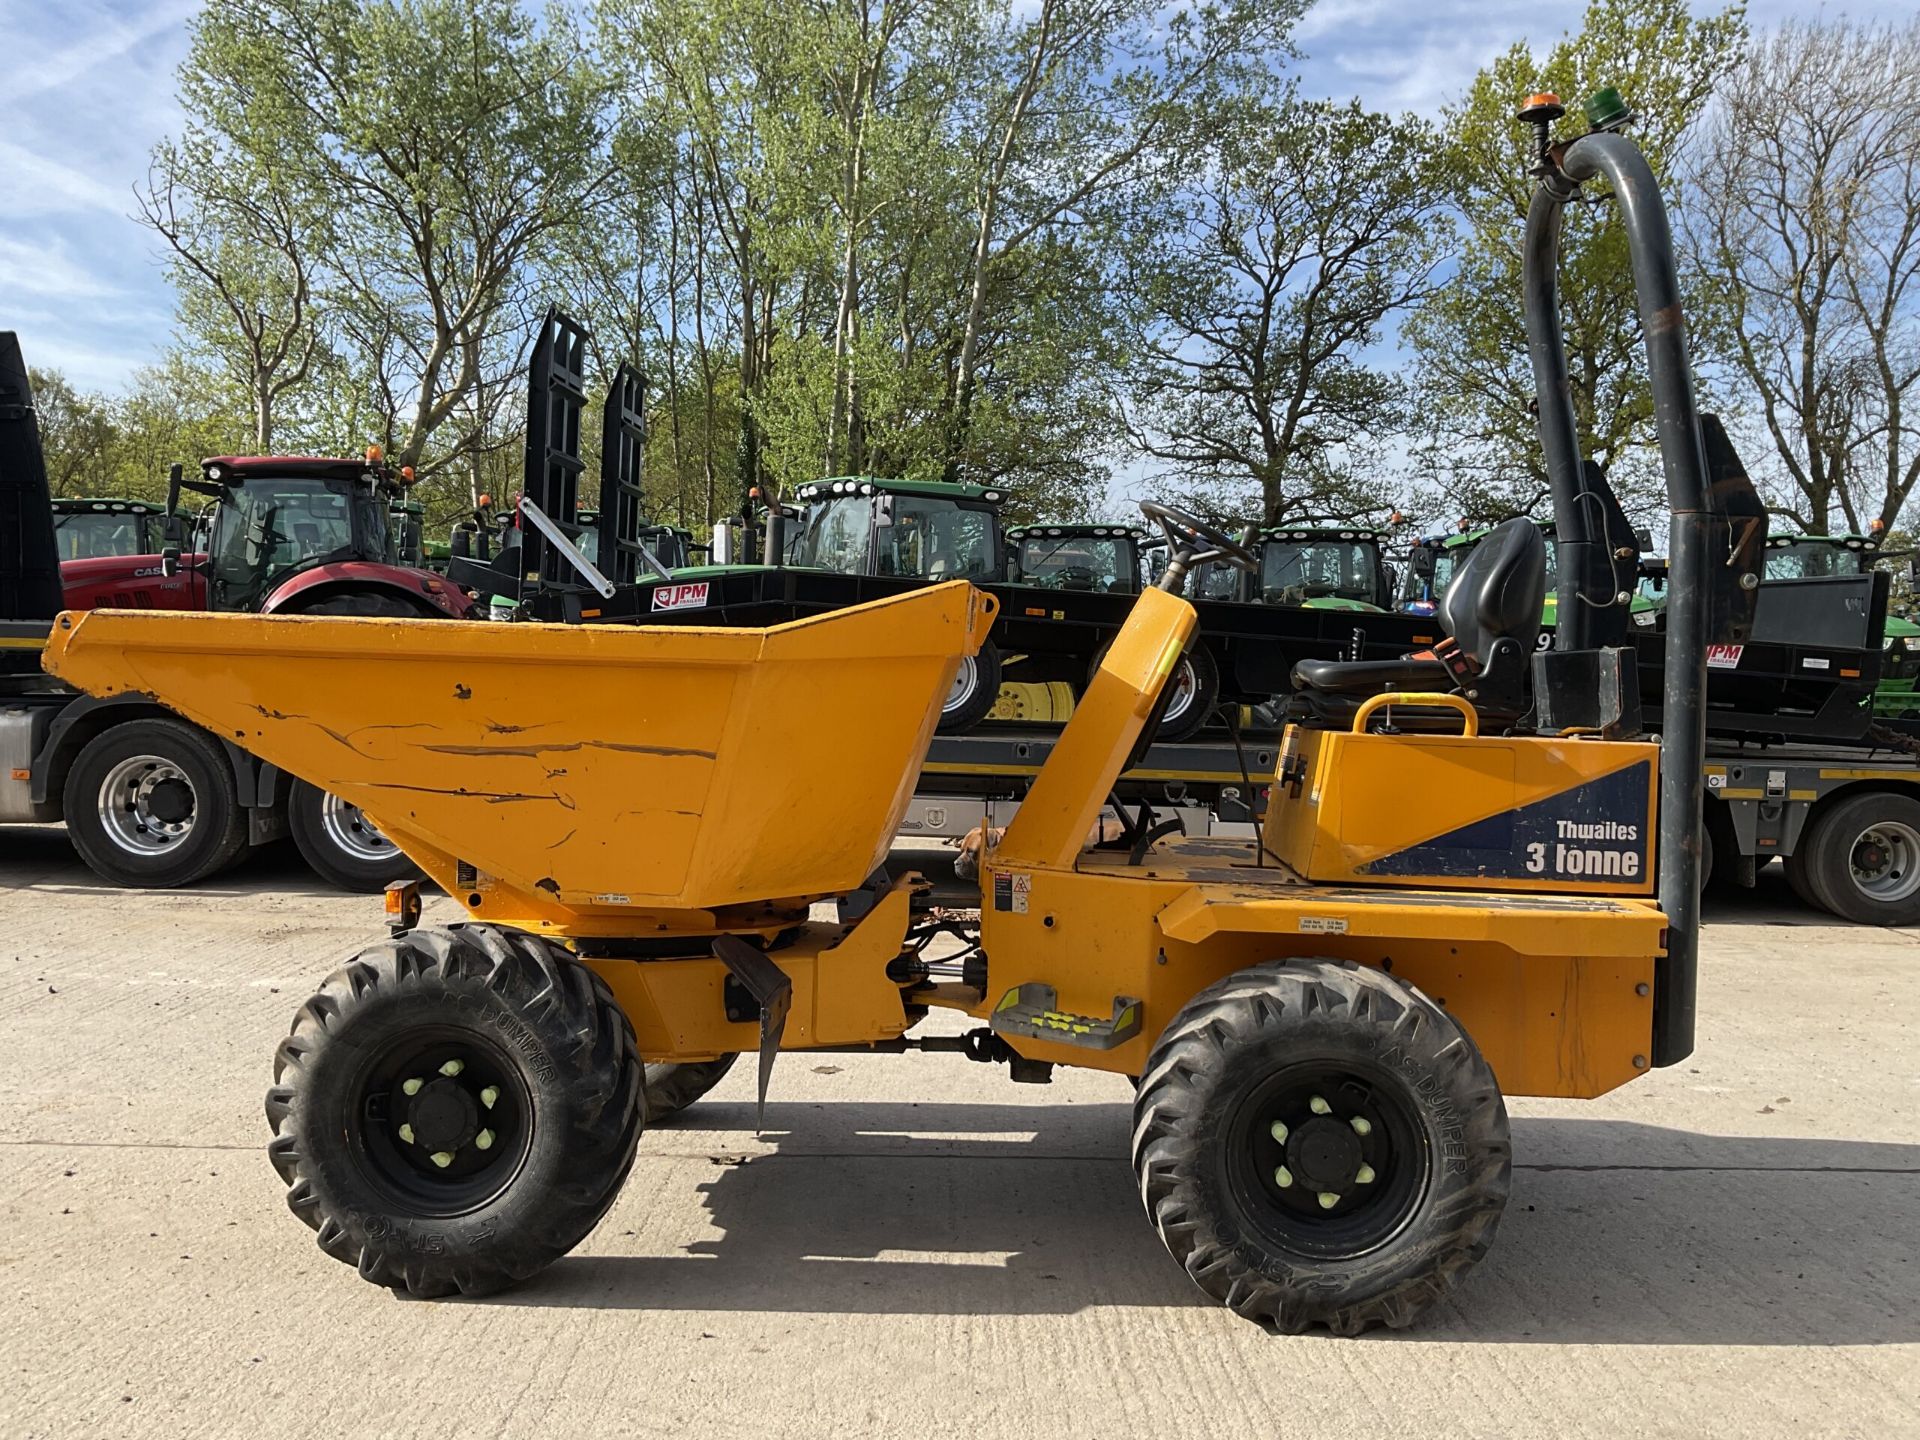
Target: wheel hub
x=1325 y=1154
x=170 y=801
x=443 y=1115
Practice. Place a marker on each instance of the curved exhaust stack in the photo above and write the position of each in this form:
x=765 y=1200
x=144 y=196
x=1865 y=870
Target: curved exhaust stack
x=1561 y=170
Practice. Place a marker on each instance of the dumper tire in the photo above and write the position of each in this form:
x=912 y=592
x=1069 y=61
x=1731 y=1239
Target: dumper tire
x=1230 y=1107
x=114 y=773
x=671 y=1087
x=527 y=1022
x=341 y=845
x=976 y=689
x=1864 y=864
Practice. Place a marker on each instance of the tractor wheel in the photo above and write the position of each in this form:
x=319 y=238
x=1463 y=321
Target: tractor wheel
x=1865 y=860
x=672 y=1088
x=343 y=847
x=1193 y=690
x=455 y=1109
x=367 y=604
x=976 y=686
x=1320 y=1144
x=153 y=804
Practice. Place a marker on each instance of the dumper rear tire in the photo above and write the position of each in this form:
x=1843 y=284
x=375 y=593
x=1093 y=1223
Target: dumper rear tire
x=672 y=1088
x=1294 y=1081
x=455 y=1109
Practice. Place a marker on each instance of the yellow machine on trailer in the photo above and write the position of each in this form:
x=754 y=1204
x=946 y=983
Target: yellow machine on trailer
x=1321 y=1022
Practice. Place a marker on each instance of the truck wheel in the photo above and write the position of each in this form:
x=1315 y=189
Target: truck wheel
x=1193 y=690
x=1319 y=1144
x=672 y=1088
x=976 y=686
x=152 y=803
x=1799 y=865
x=341 y=844
x=1865 y=866
x=455 y=1109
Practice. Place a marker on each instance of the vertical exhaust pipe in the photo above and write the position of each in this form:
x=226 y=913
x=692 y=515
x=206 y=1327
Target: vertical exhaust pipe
x=1683 y=739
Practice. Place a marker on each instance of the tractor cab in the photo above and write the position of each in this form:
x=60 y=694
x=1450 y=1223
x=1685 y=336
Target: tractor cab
x=1305 y=567
x=911 y=529
x=1800 y=557
x=1107 y=559
x=91 y=528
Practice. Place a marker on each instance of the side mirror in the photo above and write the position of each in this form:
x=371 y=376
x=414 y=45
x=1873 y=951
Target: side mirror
x=883 y=509
x=174 y=472
x=1420 y=560
x=170 y=559
x=1643 y=539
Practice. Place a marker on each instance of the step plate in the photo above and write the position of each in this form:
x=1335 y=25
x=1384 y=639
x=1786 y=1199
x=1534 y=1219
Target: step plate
x=1031 y=1010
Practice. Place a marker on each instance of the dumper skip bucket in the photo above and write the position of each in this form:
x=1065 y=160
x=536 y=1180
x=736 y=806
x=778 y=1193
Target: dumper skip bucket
x=577 y=773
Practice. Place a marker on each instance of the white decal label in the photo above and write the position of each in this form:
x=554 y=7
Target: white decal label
x=1816 y=662
x=1723 y=657
x=611 y=899
x=1322 y=925
x=1022 y=887
x=680 y=597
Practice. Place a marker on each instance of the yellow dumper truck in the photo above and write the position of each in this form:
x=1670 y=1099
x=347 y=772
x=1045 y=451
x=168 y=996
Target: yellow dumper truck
x=641 y=824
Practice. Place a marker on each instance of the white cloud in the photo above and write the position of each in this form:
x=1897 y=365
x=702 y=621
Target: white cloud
x=49 y=271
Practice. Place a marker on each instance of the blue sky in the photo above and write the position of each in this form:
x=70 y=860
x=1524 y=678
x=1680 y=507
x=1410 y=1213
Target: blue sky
x=86 y=88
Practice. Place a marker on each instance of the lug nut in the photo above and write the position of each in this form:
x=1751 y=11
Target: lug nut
x=1361 y=1125
x=406 y=1133
x=442 y=1158
x=452 y=1068
x=1279 y=1131
x=1328 y=1199
x=489 y=1095
x=485 y=1141
x=1364 y=1175
x=1319 y=1106
x=411 y=1087
x=1283 y=1177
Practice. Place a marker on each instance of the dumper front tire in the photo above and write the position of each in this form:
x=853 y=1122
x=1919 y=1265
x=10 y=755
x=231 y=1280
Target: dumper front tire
x=455 y=1109
x=1320 y=1144
x=671 y=1087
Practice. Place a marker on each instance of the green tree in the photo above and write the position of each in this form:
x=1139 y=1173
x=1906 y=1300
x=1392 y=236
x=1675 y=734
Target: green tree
x=1469 y=338
x=77 y=435
x=1268 y=281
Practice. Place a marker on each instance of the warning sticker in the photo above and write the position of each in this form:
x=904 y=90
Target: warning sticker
x=1322 y=925
x=690 y=596
x=1724 y=657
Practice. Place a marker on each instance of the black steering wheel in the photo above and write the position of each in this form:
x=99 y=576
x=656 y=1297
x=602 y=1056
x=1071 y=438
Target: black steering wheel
x=1192 y=541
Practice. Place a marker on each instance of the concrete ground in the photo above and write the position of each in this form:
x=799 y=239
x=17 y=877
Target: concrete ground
x=916 y=1246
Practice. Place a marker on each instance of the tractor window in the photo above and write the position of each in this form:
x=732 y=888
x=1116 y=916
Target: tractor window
x=270 y=526
x=87 y=534
x=834 y=535
x=935 y=539
x=1215 y=580
x=1292 y=571
x=1810 y=558
x=1077 y=562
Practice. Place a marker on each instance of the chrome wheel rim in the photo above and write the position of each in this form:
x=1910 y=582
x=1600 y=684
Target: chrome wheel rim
x=1183 y=684
x=146 y=805
x=1885 y=861
x=348 y=829
x=965 y=681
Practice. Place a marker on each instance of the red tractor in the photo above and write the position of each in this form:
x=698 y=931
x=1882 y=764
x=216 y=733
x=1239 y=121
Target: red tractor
x=282 y=535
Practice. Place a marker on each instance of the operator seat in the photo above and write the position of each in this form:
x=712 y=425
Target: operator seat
x=1491 y=613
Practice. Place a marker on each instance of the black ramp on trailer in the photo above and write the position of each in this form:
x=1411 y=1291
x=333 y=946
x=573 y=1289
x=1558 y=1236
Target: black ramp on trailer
x=29 y=563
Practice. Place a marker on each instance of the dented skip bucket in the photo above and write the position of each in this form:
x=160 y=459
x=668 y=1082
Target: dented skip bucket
x=566 y=775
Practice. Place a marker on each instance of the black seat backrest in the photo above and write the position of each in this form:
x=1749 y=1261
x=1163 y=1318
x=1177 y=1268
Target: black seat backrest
x=1498 y=593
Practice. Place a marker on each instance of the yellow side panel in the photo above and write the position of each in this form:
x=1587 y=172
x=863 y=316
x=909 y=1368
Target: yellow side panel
x=841 y=993
x=1550 y=988
x=1474 y=813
